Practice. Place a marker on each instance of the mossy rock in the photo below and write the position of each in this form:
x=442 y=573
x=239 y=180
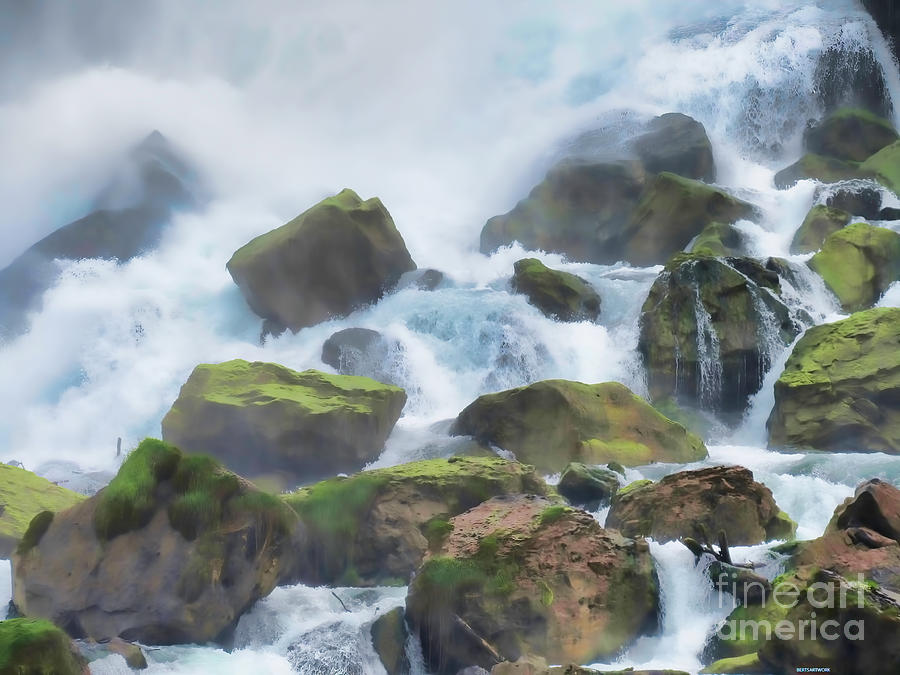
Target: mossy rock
x=375 y=527
x=838 y=388
x=37 y=647
x=557 y=294
x=749 y=664
x=262 y=418
x=511 y=579
x=708 y=329
x=554 y=422
x=341 y=254
x=677 y=143
x=822 y=169
x=178 y=545
x=850 y=134
x=389 y=636
x=718 y=240
x=884 y=166
x=820 y=222
x=23 y=496
x=672 y=212
x=858 y=263
x=587 y=486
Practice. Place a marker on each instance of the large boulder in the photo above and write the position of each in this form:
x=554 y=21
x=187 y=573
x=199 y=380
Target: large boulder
x=676 y=143
x=23 y=495
x=710 y=329
x=337 y=256
x=884 y=166
x=587 y=486
x=173 y=550
x=37 y=647
x=820 y=168
x=840 y=387
x=262 y=418
x=363 y=352
x=858 y=263
x=718 y=240
x=554 y=422
x=849 y=74
x=859 y=198
x=521 y=575
x=672 y=211
x=888 y=19
x=375 y=527
x=850 y=134
x=389 y=636
x=557 y=294
x=820 y=222
x=700 y=504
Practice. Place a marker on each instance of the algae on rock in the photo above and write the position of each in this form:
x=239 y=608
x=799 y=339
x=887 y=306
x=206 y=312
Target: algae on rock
x=557 y=294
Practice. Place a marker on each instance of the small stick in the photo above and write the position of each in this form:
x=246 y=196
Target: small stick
x=340 y=601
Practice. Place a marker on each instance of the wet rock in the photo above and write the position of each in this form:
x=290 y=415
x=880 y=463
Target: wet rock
x=861 y=201
x=29 y=645
x=889 y=213
x=262 y=418
x=884 y=166
x=820 y=222
x=389 y=636
x=850 y=134
x=365 y=353
x=839 y=388
x=817 y=167
x=888 y=19
x=341 y=254
x=424 y=280
x=700 y=504
x=718 y=240
x=587 y=486
x=676 y=143
x=848 y=75
x=554 y=422
x=557 y=294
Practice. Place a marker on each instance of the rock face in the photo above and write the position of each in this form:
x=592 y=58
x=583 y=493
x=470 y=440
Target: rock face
x=820 y=222
x=339 y=255
x=700 y=504
x=363 y=352
x=35 y=646
x=521 y=575
x=173 y=550
x=859 y=198
x=376 y=526
x=554 y=422
x=557 y=294
x=884 y=166
x=676 y=143
x=708 y=330
x=858 y=263
x=888 y=19
x=850 y=134
x=587 y=486
x=817 y=167
x=260 y=418
x=839 y=388
x=389 y=640
x=129 y=218
x=718 y=240
x=23 y=495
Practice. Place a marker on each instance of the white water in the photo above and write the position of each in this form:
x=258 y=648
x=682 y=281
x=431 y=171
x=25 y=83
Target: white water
x=449 y=113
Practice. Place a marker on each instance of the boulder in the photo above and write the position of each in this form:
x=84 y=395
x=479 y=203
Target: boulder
x=95 y=651
x=389 y=636
x=820 y=222
x=336 y=257
x=888 y=19
x=676 y=143
x=375 y=527
x=557 y=294
x=709 y=331
x=858 y=198
x=672 y=211
x=840 y=387
x=424 y=280
x=34 y=647
x=889 y=213
x=849 y=74
x=365 y=353
x=817 y=167
x=262 y=418
x=858 y=263
x=718 y=240
x=23 y=495
x=587 y=486
x=579 y=209
x=172 y=551
x=700 y=504
x=884 y=166
x=554 y=422
x=749 y=664
x=850 y=134
x=522 y=575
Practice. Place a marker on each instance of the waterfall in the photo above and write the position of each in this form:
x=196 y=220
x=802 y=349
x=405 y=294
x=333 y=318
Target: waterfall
x=708 y=361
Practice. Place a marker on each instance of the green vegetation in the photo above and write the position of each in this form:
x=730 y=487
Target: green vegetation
x=739 y=665
x=435 y=531
x=36 y=647
x=718 y=240
x=820 y=222
x=885 y=166
x=36 y=529
x=824 y=169
x=557 y=294
x=553 y=514
x=633 y=487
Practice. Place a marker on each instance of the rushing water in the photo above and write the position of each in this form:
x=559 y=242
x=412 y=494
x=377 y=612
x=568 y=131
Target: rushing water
x=449 y=113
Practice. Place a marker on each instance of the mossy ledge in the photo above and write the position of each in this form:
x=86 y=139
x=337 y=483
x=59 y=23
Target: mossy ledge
x=36 y=646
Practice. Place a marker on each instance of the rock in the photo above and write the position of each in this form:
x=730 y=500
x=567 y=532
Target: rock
x=521 y=575
x=365 y=353
x=336 y=257
x=747 y=587
x=749 y=664
x=389 y=640
x=889 y=213
x=849 y=74
x=554 y=422
x=884 y=165
x=262 y=418
x=718 y=240
x=579 y=209
x=172 y=551
x=424 y=280
x=132 y=653
x=820 y=222
x=375 y=527
x=23 y=495
x=860 y=200
x=587 y=486
x=671 y=213
x=858 y=263
x=128 y=219
x=34 y=646
x=850 y=134
x=557 y=294
x=839 y=388
x=888 y=19
x=707 y=331
x=676 y=143
x=700 y=504
x=817 y=167
x=875 y=505
x=524 y=665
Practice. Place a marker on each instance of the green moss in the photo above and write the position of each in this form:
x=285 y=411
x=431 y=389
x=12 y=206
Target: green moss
x=435 y=531
x=36 y=647
x=717 y=240
x=36 y=529
x=817 y=167
x=24 y=495
x=204 y=487
x=820 y=222
x=546 y=593
x=553 y=514
x=783 y=527
x=738 y=665
x=633 y=487
x=885 y=166
x=557 y=294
